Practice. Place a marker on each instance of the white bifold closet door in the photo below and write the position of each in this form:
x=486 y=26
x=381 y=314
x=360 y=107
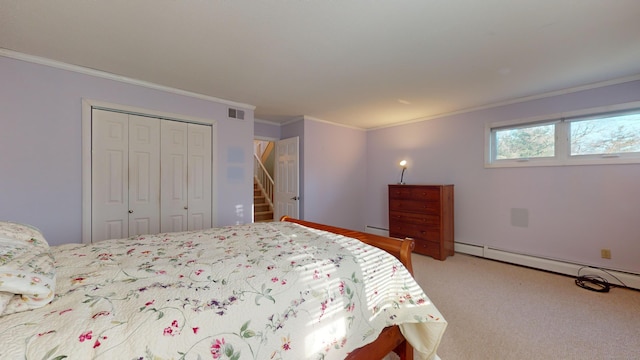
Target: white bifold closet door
x=186 y=177
x=148 y=175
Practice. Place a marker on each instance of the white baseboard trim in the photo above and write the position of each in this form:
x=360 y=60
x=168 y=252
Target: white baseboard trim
x=557 y=266
x=376 y=230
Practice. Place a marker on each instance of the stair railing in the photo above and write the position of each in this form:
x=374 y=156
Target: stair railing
x=264 y=180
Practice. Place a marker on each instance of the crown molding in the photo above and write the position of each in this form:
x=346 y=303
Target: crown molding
x=109 y=76
x=266 y=122
x=519 y=100
x=311 y=118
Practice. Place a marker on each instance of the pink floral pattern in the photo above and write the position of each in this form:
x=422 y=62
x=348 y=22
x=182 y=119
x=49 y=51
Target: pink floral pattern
x=260 y=291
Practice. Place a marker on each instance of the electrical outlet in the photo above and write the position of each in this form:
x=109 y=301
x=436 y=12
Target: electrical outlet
x=605 y=253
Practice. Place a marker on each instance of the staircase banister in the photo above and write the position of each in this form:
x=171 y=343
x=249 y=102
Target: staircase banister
x=264 y=180
x=264 y=170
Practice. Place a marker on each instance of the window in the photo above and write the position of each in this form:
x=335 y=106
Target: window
x=525 y=142
x=596 y=136
x=614 y=134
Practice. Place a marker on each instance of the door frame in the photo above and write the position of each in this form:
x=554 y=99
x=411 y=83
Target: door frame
x=87 y=107
x=275 y=178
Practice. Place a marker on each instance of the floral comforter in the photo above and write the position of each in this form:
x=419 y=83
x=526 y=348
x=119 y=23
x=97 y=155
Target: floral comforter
x=260 y=291
x=27 y=271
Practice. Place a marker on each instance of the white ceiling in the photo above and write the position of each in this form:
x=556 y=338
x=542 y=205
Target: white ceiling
x=361 y=63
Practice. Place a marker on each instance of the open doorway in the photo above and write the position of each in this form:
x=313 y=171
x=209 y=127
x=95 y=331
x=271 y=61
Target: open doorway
x=276 y=179
x=263 y=180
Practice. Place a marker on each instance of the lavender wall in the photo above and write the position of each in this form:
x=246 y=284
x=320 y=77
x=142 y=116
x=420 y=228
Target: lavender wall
x=40 y=145
x=334 y=174
x=263 y=129
x=574 y=211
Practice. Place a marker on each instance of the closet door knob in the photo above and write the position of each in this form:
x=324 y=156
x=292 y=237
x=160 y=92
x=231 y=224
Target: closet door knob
x=130 y=211
x=186 y=208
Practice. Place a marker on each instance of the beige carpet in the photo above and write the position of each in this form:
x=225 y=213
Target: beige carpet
x=502 y=311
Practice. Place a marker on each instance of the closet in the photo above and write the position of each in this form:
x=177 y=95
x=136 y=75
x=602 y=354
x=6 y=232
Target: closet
x=148 y=175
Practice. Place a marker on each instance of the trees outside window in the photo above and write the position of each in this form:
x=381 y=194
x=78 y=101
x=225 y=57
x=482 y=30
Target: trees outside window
x=577 y=139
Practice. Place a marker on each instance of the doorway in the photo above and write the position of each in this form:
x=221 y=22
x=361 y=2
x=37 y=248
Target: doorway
x=276 y=178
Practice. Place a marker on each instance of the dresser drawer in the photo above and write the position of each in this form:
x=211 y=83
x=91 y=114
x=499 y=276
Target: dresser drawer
x=429 y=248
x=414 y=218
x=422 y=193
x=418 y=232
x=424 y=207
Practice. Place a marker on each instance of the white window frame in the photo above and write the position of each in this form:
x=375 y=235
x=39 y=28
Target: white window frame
x=562 y=155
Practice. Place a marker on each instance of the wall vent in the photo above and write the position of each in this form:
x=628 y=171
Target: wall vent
x=236 y=114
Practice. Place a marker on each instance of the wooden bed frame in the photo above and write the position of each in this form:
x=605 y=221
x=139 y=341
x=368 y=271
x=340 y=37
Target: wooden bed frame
x=391 y=338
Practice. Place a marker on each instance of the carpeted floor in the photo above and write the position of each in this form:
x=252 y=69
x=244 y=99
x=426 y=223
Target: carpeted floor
x=502 y=311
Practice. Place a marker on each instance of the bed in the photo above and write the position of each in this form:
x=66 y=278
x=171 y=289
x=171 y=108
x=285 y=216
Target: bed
x=281 y=290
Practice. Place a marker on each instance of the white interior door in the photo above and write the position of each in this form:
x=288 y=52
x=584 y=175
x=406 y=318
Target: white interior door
x=174 y=159
x=199 y=177
x=287 y=170
x=144 y=175
x=109 y=174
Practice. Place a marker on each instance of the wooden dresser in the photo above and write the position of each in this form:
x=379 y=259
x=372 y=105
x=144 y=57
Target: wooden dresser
x=425 y=214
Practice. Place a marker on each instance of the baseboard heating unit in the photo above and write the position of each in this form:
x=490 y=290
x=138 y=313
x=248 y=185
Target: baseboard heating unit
x=615 y=277
x=557 y=266
x=376 y=230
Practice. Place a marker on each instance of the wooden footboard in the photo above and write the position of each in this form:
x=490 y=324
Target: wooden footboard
x=391 y=338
